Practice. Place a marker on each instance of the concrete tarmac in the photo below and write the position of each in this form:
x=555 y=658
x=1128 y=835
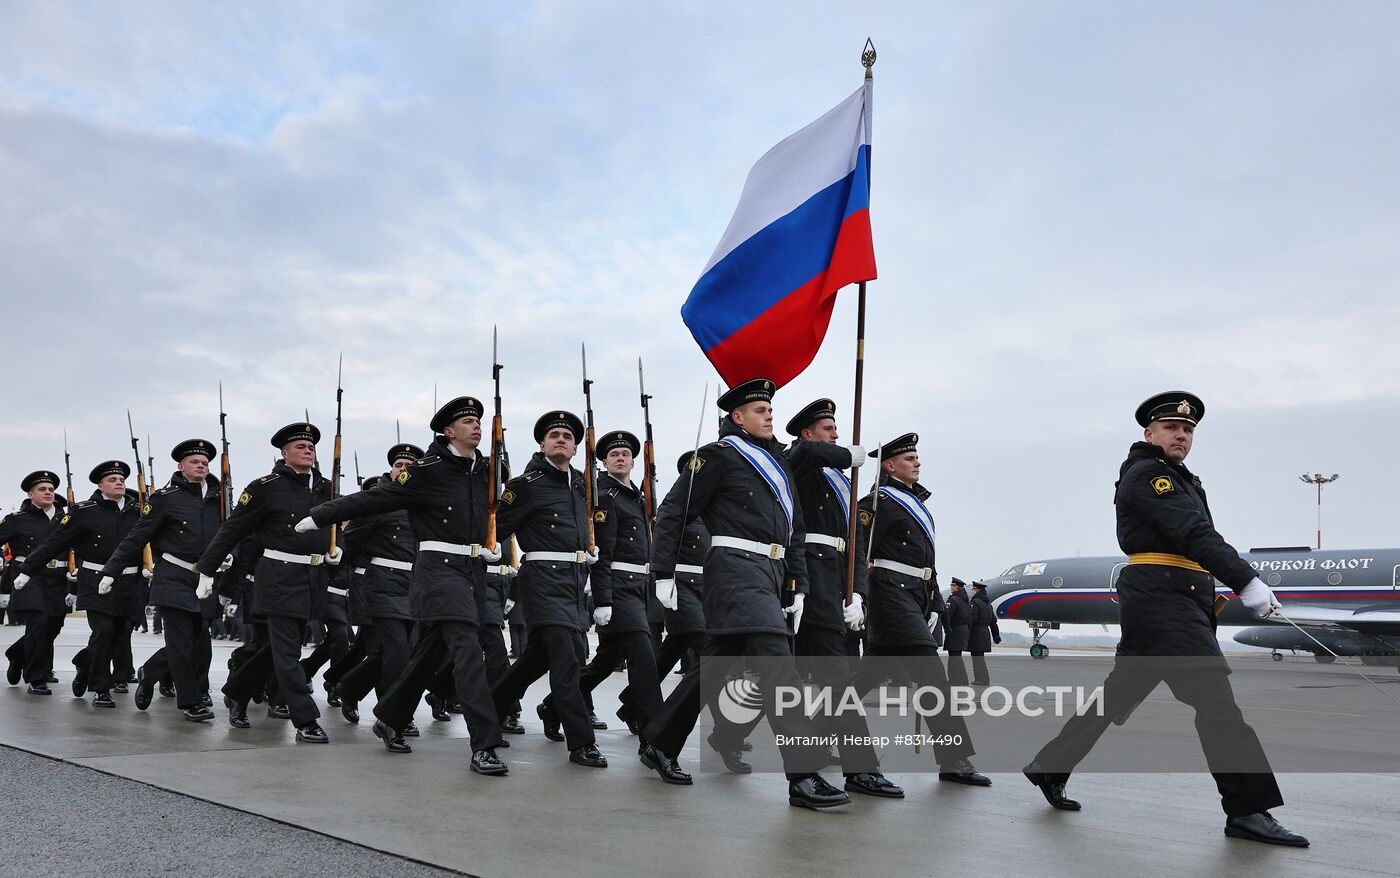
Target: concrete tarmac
x=551 y=817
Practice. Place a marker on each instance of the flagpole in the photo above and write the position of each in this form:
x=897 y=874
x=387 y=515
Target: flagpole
x=867 y=60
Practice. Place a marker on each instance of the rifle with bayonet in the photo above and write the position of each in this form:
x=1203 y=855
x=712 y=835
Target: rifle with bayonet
x=648 y=454
x=359 y=479
x=335 y=461
x=499 y=465
x=68 y=474
x=225 y=466
x=590 y=485
x=151 y=461
x=146 y=560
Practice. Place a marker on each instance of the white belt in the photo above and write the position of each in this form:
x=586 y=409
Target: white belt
x=471 y=551
x=389 y=562
x=166 y=556
x=126 y=571
x=632 y=568
x=340 y=591
x=358 y=571
x=692 y=569
x=772 y=551
x=309 y=560
x=501 y=569
x=924 y=573
x=567 y=557
x=52 y=565
x=837 y=543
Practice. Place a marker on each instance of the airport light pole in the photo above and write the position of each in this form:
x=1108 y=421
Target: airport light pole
x=1318 y=479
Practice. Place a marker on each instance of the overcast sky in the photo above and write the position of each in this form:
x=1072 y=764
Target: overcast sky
x=1075 y=205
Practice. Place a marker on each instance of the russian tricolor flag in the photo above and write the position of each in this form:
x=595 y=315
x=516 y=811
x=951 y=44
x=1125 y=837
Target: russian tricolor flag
x=801 y=233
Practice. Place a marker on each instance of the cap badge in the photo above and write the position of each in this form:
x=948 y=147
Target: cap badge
x=1183 y=408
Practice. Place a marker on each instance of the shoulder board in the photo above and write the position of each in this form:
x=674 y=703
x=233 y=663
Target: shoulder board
x=530 y=476
x=612 y=492
x=270 y=477
x=84 y=504
x=168 y=489
x=428 y=461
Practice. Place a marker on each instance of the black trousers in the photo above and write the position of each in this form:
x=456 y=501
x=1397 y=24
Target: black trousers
x=673 y=650
x=123 y=667
x=493 y=649
x=957 y=671
x=643 y=684
x=250 y=666
x=386 y=658
x=335 y=645
x=822 y=659
x=922 y=665
x=343 y=665
x=519 y=636
x=1225 y=737
x=93 y=662
x=552 y=649
x=457 y=642
x=33 y=651
x=670 y=729
x=185 y=656
x=284 y=645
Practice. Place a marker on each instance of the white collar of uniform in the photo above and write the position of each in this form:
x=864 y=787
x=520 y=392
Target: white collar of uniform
x=51 y=511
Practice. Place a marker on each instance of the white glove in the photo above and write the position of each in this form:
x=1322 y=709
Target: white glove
x=225 y=600
x=227 y=563
x=510 y=605
x=147 y=574
x=205 y=587
x=857 y=456
x=795 y=610
x=233 y=609
x=104 y=585
x=855 y=612
x=666 y=593
x=21 y=581
x=1258 y=598
x=334 y=555
x=306 y=525
x=492 y=556
x=70 y=599
x=588 y=587
x=71 y=577
x=590 y=558
x=4 y=601
x=602 y=616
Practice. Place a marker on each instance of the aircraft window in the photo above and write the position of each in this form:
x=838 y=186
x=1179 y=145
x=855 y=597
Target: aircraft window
x=1275 y=579
x=1334 y=578
x=1057 y=581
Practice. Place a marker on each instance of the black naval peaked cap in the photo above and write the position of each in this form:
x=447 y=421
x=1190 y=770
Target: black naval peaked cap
x=817 y=410
x=616 y=439
x=903 y=445
x=549 y=420
x=754 y=390
x=37 y=477
x=369 y=482
x=1174 y=405
x=109 y=468
x=461 y=407
x=296 y=433
x=981 y=585
x=195 y=446
x=403 y=451
x=683 y=461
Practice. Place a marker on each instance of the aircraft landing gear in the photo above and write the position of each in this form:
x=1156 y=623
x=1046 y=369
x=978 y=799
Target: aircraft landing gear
x=1323 y=658
x=1038 y=629
x=1276 y=656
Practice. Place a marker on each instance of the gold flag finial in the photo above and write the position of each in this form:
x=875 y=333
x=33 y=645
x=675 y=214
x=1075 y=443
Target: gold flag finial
x=867 y=57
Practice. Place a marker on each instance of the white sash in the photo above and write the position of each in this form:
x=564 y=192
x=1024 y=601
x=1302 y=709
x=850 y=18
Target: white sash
x=842 y=486
x=769 y=469
x=912 y=505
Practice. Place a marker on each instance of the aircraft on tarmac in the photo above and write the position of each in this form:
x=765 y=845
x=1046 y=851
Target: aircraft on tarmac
x=1349 y=599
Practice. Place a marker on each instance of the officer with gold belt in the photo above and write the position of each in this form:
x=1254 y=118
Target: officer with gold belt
x=1166 y=597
